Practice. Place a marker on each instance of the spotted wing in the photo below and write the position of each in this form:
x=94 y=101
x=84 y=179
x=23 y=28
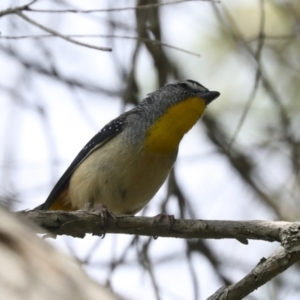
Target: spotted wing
x=104 y=135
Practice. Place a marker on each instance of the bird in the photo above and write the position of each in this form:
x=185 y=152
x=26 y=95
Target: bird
x=123 y=166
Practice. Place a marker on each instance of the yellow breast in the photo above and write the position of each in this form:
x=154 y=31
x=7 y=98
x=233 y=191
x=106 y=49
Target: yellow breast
x=164 y=136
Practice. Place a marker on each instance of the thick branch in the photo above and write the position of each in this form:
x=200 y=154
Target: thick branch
x=79 y=223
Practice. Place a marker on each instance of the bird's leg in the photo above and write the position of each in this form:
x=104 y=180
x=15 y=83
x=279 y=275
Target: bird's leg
x=102 y=210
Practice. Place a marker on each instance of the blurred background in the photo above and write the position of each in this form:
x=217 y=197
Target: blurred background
x=240 y=162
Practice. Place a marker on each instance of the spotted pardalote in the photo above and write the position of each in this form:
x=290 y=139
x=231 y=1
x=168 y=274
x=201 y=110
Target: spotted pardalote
x=127 y=161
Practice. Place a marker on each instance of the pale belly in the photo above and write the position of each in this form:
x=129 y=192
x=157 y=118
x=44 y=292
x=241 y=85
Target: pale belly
x=124 y=182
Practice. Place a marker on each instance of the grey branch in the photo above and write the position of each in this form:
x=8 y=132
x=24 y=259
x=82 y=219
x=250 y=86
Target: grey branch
x=276 y=263
x=79 y=223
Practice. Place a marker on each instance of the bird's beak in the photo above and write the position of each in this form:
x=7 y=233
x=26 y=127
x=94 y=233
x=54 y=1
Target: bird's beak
x=209 y=96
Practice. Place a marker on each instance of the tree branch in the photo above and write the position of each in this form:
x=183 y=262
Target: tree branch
x=266 y=269
x=79 y=223
x=56 y=33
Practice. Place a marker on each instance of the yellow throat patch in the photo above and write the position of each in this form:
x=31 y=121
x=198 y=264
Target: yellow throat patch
x=164 y=136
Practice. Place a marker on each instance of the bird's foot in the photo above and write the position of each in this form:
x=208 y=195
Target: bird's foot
x=101 y=209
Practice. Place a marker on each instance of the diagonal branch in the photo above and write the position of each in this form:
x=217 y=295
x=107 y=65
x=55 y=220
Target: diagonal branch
x=16 y=9
x=267 y=269
x=56 y=33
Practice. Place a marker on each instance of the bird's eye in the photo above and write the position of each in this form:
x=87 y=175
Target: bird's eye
x=184 y=85
x=194 y=82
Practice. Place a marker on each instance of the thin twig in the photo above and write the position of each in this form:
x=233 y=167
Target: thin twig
x=272 y=37
x=53 y=32
x=238 y=37
x=257 y=77
x=145 y=40
x=15 y=9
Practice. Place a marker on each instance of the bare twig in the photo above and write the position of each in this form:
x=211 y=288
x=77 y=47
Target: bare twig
x=274 y=96
x=272 y=37
x=80 y=83
x=15 y=9
x=139 y=7
x=56 y=33
x=257 y=76
x=145 y=40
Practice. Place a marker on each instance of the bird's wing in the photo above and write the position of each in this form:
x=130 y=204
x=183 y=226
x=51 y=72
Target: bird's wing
x=104 y=135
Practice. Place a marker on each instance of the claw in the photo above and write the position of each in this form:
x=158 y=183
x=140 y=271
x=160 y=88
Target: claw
x=102 y=210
